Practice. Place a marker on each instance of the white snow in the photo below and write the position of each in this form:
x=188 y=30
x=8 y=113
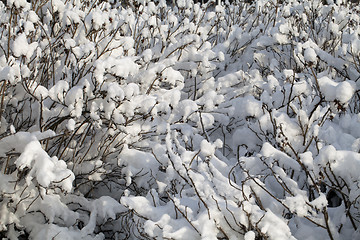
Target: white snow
x=310 y=55
x=21 y=47
x=179 y=121
x=332 y=90
x=71 y=125
x=58 y=91
x=43 y=168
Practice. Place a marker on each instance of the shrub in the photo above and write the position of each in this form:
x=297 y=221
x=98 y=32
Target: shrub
x=143 y=120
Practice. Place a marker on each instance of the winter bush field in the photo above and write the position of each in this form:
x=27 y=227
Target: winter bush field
x=144 y=120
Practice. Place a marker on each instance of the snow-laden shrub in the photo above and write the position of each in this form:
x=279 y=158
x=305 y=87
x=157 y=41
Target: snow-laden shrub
x=215 y=121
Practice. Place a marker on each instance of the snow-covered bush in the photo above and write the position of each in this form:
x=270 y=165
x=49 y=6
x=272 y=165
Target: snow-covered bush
x=140 y=120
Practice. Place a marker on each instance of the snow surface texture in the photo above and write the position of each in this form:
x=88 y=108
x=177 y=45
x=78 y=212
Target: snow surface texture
x=183 y=121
